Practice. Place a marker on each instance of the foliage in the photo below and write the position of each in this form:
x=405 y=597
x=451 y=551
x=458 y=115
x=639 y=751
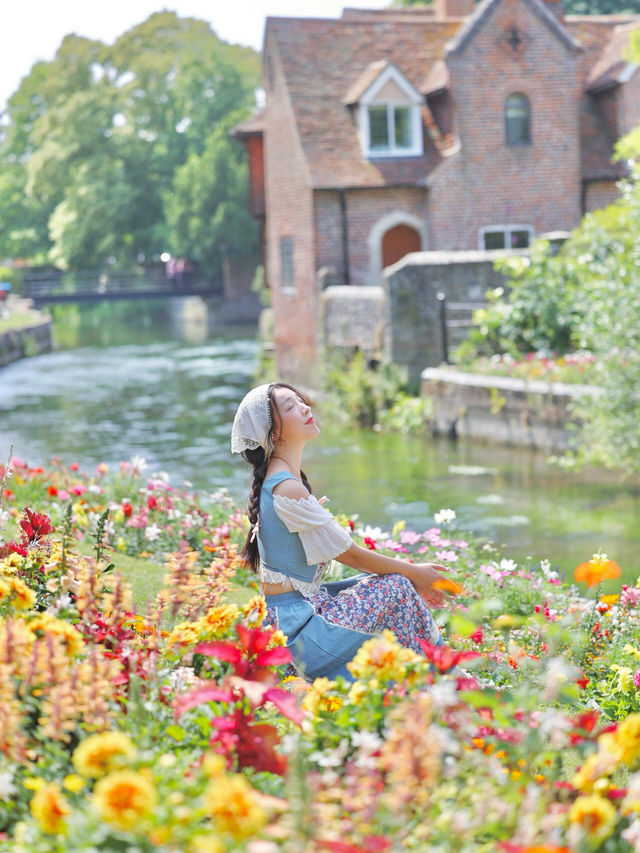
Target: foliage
x=521 y=734
x=574 y=367
x=364 y=391
x=96 y=136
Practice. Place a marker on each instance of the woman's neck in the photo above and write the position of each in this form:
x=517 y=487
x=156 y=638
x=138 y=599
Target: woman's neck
x=291 y=459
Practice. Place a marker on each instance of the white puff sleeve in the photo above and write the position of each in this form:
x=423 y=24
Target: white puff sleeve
x=321 y=536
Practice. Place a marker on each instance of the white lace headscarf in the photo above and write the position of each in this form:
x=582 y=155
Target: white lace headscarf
x=252 y=423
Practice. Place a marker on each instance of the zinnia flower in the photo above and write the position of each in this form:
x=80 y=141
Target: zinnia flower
x=50 y=808
x=101 y=753
x=234 y=806
x=596 y=570
x=627 y=738
x=124 y=798
x=596 y=816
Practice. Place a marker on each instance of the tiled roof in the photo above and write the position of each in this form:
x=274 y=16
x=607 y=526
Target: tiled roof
x=250 y=126
x=322 y=60
x=368 y=76
x=437 y=78
x=614 y=60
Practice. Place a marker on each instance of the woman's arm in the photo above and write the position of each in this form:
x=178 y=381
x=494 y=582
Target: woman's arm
x=422 y=575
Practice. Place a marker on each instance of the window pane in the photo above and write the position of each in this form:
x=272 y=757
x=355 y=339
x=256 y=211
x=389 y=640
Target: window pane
x=286 y=261
x=402 y=121
x=517 y=113
x=519 y=239
x=378 y=128
x=494 y=239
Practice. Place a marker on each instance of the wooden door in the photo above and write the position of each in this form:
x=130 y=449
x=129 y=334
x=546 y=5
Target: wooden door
x=398 y=242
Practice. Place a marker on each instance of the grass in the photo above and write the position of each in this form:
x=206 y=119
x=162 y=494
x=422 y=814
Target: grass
x=18 y=320
x=145 y=577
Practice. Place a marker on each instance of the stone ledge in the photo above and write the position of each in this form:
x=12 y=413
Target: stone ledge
x=34 y=339
x=502 y=409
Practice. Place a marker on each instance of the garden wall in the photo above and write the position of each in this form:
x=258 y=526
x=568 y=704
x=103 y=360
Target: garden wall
x=413 y=334
x=531 y=414
x=21 y=343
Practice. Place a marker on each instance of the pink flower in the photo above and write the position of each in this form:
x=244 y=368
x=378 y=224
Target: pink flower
x=63 y=495
x=629 y=596
x=409 y=537
x=446 y=556
x=636 y=679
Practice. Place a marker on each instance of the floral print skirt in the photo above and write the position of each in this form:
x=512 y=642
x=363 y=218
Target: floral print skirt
x=326 y=630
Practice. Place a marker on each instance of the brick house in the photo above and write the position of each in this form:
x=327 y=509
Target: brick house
x=450 y=127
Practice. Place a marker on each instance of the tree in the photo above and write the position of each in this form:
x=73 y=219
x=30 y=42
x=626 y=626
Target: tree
x=96 y=136
x=207 y=209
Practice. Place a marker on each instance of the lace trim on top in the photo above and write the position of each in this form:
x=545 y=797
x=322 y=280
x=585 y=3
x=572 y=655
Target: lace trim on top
x=307 y=588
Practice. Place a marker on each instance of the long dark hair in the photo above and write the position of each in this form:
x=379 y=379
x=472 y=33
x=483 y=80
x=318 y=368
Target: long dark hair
x=259 y=459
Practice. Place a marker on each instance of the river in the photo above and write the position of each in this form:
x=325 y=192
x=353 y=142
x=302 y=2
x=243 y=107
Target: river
x=124 y=381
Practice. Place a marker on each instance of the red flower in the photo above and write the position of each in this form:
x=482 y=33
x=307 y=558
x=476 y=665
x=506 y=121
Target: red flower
x=477 y=635
x=582 y=681
x=370 y=543
x=36 y=525
x=74 y=466
x=127 y=509
x=52 y=491
x=13 y=548
x=445 y=658
x=253 y=744
x=152 y=503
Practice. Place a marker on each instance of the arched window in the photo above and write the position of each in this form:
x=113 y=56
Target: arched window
x=517 y=116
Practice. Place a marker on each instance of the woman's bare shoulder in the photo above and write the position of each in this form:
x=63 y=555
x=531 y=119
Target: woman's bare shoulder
x=290 y=489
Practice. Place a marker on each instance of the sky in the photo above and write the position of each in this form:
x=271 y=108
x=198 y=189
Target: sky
x=33 y=29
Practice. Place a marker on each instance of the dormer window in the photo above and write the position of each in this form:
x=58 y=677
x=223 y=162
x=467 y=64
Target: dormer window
x=388 y=110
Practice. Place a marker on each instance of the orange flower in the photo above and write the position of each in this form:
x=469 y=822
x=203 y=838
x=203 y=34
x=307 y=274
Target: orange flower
x=447 y=585
x=596 y=570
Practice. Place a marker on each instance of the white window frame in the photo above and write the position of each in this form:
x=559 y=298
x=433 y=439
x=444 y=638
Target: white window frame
x=506 y=230
x=413 y=101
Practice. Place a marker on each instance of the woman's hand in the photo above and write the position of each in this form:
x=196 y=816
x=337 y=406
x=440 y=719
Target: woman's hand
x=429 y=583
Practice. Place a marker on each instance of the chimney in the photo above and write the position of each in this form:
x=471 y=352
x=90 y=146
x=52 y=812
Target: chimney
x=452 y=8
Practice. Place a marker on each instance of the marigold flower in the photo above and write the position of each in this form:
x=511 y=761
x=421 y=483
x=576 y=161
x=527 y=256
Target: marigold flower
x=70 y=638
x=23 y=597
x=627 y=738
x=124 y=798
x=234 y=806
x=74 y=783
x=254 y=611
x=50 y=809
x=595 y=815
x=596 y=570
x=218 y=620
x=383 y=658
x=102 y=753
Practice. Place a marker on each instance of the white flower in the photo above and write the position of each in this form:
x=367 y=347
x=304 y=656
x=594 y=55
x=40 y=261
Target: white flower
x=367 y=741
x=152 y=532
x=7 y=788
x=4 y=517
x=374 y=533
x=508 y=565
x=444 y=516
x=139 y=463
x=559 y=673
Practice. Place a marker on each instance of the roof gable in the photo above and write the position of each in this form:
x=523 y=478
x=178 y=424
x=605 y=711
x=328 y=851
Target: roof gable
x=374 y=79
x=484 y=11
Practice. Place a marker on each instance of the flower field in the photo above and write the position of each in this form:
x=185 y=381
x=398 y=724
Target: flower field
x=139 y=717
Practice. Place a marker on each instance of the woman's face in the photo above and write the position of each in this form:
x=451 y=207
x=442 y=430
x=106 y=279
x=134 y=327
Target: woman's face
x=297 y=423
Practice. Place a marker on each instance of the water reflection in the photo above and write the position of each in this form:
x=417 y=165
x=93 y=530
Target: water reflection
x=131 y=387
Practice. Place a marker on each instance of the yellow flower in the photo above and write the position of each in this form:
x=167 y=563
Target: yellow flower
x=357 y=692
x=101 y=753
x=627 y=738
x=34 y=783
x=124 y=798
x=219 y=619
x=234 y=806
x=506 y=620
x=206 y=844
x=184 y=634
x=214 y=764
x=382 y=657
x=74 y=783
x=45 y=623
x=315 y=699
x=50 y=809
x=596 y=816
x=23 y=597
x=625 y=678
x=254 y=611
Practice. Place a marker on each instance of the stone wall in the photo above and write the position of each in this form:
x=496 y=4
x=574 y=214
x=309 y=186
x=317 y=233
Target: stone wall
x=413 y=334
x=353 y=318
x=501 y=409
x=21 y=343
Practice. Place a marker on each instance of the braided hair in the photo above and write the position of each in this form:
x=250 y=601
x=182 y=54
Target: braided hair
x=259 y=459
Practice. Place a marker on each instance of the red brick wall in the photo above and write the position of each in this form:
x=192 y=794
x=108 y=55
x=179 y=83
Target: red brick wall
x=629 y=104
x=600 y=194
x=289 y=214
x=488 y=182
x=364 y=208
x=255 y=150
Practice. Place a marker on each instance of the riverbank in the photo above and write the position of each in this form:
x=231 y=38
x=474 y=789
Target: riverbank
x=24 y=331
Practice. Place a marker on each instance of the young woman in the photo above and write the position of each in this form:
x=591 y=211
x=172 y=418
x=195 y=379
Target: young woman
x=293 y=537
